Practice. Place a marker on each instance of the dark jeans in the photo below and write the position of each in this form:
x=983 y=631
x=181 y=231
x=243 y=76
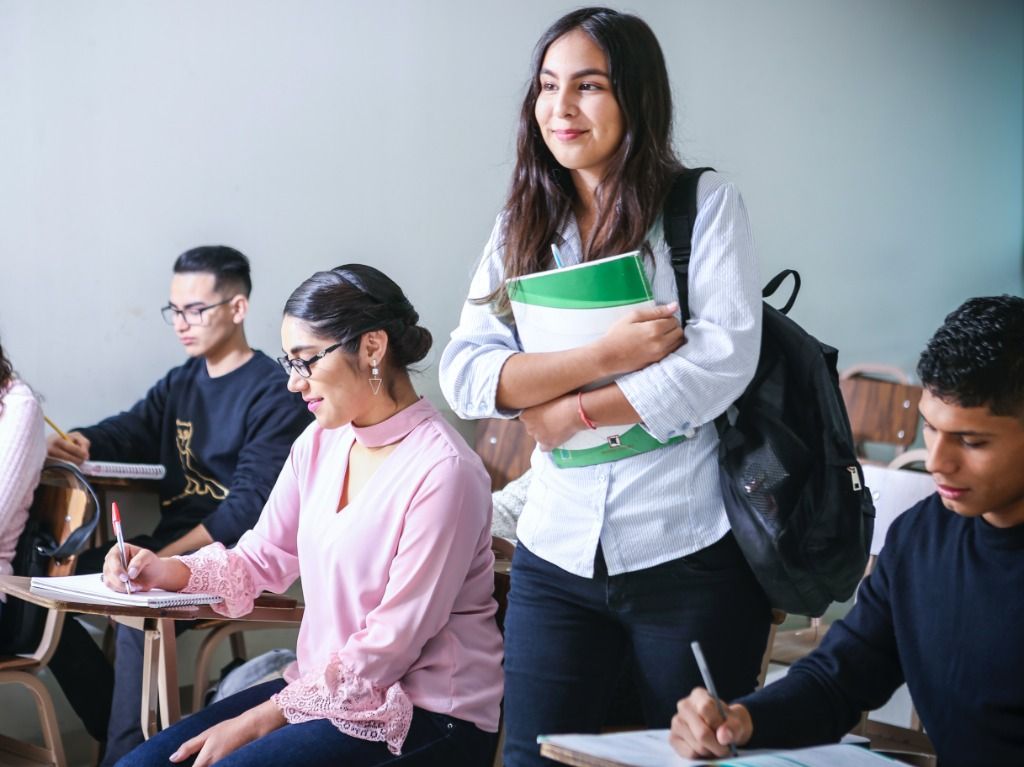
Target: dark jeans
x=434 y=740
x=566 y=636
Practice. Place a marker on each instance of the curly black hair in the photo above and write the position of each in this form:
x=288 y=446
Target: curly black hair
x=976 y=358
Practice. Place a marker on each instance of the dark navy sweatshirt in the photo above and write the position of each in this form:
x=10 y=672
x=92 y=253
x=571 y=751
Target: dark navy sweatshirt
x=943 y=611
x=222 y=440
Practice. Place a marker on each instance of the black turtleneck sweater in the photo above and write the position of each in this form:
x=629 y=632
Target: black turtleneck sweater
x=944 y=612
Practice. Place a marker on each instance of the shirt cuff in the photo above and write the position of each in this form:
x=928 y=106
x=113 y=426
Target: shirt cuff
x=660 y=422
x=215 y=570
x=356 y=706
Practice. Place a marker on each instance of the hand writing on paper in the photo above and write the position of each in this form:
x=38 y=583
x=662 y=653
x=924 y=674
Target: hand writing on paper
x=217 y=742
x=640 y=338
x=552 y=423
x=146 y=570
x=698 y=730
x=74 y=449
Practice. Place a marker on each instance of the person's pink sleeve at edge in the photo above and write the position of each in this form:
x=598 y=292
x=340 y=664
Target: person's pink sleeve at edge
x=266 y=557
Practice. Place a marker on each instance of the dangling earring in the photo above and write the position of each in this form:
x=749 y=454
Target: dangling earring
x=375 y=379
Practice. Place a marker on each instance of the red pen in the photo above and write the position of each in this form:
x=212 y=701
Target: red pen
x=115 y=520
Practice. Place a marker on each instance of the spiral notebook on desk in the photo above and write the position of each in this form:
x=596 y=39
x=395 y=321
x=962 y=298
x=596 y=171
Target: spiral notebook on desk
x=91 y=588
x=123 y=470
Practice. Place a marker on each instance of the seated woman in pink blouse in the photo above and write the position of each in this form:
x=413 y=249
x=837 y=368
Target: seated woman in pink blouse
x=385 y=513
x=22 y=452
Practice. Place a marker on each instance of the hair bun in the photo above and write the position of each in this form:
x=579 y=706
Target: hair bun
x=412 y=345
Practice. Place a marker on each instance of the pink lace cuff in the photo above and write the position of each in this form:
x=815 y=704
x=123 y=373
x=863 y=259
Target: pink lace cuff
x=354 y=705
x=215 y=570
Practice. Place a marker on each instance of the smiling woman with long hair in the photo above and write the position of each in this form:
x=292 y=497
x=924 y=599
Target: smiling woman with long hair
x=633 y=558
x=385 y=513
x=22 y=452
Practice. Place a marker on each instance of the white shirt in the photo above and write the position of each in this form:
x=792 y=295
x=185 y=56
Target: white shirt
x=657 y=506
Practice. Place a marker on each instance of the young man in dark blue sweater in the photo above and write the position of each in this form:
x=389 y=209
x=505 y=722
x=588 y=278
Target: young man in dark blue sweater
x=222 y=425
x=943 y=610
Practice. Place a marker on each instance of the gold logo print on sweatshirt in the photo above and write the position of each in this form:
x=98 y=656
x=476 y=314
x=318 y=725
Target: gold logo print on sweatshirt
x=196 y=483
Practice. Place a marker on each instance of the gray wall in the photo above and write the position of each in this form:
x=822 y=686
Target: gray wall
x=878 y=145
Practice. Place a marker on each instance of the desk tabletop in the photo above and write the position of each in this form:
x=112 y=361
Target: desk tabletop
x=279 y=610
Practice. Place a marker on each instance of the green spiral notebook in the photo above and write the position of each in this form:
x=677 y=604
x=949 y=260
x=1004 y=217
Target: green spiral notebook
x=569 y=308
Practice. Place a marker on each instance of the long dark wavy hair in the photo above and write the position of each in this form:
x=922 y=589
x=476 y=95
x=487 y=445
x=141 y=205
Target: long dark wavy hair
x=639 y=174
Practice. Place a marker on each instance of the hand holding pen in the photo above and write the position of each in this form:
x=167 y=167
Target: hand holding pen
x=73 y=446
x=703 y=727
x=115 y=521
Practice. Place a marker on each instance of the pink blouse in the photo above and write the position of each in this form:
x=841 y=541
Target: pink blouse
x=22 y=452
x=397 y=584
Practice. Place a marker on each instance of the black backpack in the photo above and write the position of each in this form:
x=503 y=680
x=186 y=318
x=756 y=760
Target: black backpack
x=22 y=623
x=793 y=487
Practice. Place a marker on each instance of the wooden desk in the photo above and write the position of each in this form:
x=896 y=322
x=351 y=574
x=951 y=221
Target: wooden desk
x=160 y=693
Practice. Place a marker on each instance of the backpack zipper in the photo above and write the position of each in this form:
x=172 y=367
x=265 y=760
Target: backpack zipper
x=854 y=478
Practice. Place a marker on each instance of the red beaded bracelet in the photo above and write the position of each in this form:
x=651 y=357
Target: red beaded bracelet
x=583 y=413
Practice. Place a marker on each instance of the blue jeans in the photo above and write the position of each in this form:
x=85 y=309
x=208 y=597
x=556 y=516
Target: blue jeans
x=434 y=740
x=567 y=636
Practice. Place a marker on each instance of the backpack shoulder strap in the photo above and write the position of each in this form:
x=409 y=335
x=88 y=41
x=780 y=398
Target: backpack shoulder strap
x=679 y=215
x=79 y=538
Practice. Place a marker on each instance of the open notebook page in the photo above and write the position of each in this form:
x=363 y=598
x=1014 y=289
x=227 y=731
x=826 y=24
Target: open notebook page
x=91 y=588
x=650 y=748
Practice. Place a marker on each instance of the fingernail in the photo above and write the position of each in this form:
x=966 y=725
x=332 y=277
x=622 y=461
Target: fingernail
x=174 y=757
x=123 y=577
x=132 y=572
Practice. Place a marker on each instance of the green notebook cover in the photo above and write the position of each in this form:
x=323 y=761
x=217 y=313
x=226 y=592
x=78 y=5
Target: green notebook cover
x=571 y=307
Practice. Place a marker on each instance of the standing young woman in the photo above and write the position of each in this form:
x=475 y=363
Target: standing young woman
x=632 y=557
x=22 y=452
x=385 y=513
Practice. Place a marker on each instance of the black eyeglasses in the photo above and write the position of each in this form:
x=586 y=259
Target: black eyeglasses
x=193 y=315
x=301 y=366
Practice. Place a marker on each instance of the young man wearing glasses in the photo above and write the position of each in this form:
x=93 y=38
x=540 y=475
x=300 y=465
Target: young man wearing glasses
x=221 y=424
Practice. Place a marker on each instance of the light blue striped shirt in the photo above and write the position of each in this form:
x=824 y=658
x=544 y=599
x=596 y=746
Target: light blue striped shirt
x=657 y=506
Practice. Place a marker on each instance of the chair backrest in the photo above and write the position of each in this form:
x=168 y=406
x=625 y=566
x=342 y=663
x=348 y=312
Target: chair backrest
x=505 y=448
x=893 y=491
x=58 y=525
x=881 y=411
x=61 y=505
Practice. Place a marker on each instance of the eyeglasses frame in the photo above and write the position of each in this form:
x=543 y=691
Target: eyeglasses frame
x=176 y=312
x=298 y=364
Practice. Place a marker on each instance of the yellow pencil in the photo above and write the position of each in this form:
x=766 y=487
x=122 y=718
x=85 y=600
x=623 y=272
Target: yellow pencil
x=56 y=428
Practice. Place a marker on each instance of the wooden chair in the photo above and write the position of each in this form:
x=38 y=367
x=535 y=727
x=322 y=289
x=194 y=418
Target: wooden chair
x=505 y=448
x=62 y=503
x=231 y=630
x=911 y=459
x=881 y=411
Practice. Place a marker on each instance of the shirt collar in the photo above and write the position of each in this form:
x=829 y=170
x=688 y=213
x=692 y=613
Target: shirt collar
x=999 y=537
x=396 y=427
